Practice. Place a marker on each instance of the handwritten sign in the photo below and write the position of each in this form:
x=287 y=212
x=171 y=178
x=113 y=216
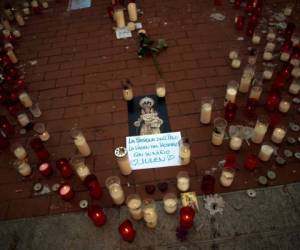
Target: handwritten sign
x=122 y=33
x=153 y=151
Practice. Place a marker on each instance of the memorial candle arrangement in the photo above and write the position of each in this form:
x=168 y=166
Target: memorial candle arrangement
x=123 y=161
x=206 y=109
x=80 y=142
x=150 y=214
x=97 y=215
x=115 y=189
x=134 y=204
x=82 y=170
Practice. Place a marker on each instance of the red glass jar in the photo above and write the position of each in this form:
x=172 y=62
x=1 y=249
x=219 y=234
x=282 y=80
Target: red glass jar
x=97 y=215
x=230 y=111
x=273 y=101
x=45 y=169
x=39 y=149
x=237 y=4
x=110 y=11
x=249 y=7
x=286 y=70
x=208 y=184
x=279 y=83
x=127 y=231
x=251 y=162
x=230 y=161
x=66 y=192
x=250 y=29
x=20 y=84
x=187 y=215
x=286 y=46
x=274 y=119
x=13 y=109
x=250 y=109
x=64 y=167
x=91 y=182
x=6 y=126
x=240 y=22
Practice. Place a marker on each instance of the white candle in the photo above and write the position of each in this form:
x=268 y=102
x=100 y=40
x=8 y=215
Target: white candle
x=132 y=12
x=170 y=203
x=295 y=62
x=233 y=54
x=24 y=169
x=265 y=152
x=226 y=178
x=278 y=135
x=288 y=10
x=271 y=36
x=217 y=138
x=45 y=4
x=150 y=216
x=296 y=72
x=20 y=152
x=117 y=194
x=12 y=56
x=235 y=143
x=82 y=171
x=161 y=91
x=206 y=110
x=185 y=154
x=256 y=38
x=23 y=119
x=284 y=56
x=19 y=19
x=267 y=74
x=284 y=106
x=119 y=18
x=16 y=33
x=255 y=92
x=270 y=47
x=294 y=88
x=25 y=100
x=245 y=83
x=183 y=183
x=230 y=95
x=236 y=63
x=123 y=161
x=127 y=94
x=6 y=24
x=6 y=33
x=295 y=40
x=259 y=132
x=82 y=145
x=26 y=11
x=34 y=4
x=131 y=26
x=135 y=208
x=267 y=56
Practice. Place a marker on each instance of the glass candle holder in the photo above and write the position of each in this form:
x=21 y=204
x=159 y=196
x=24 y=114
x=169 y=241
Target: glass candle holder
x=270 y=46
x=256 y=38
x=227 y=177
x=236 y=142
x=268 y=55
x=231 y=92
x=170 y=203
x=6 y=126
x=274 y=119
x=251 y=26
x=45 y=169
x=206 y=109
x=218 y=133
x=119 y=17
x=260 y=129
x=134 y=204
x=40 y=129
x=286 y=70
x=250 y=108
x=35 y=110
x=24 y=120
x=115 y=189
x=295 y=57
x=285 y=104
x=160 y=88
x=294 y=87
x=230 y=111
x=80 y=142
x=123 y=161
x=278 y=134
x=239 y=22
x=97 y=215
x=184 y=151
x=230 y=161
x=19 y=151
x=245 y=82
x=127 y=231
x=187 y=215
x=233 y=54
x=183 y=181
x=12 y=56
x=288 y=9
x=273 y=101
x=271 y=35
x=268 y=72
x=66 y=192
x=208 y=184
x=256 y=89
x=25 y=99
x=23 y=167
x=92 y=183
x=150 y=214
x=252 y=57
x=296 y=72
x=250 y=162
x=236 y=63
x=64 y=167
x=265 y=152
x=82 y=170
x=38 y=147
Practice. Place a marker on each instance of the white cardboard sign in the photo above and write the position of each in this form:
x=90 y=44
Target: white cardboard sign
x=153 y=151
x=122 y=33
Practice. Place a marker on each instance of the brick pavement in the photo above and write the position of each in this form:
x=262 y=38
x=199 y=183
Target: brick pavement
x=77 y=81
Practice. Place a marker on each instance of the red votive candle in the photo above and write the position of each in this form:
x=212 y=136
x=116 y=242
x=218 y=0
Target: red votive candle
x=286 y=70
x=39 y=149
x=127 y=231
x=91 y=182
x=250 y=162
x=239 y=22
x=274 y=119
x=187 y=215
x=251 y=107
x=97 y=215
x=272 y=101
x=279 y=83
x=230 y=161
x=64 y=167
x=45 y=169
x=230 y=111
x=208 y=184
x=66 y=192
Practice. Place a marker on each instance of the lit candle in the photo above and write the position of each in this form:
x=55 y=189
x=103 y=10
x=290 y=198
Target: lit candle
x=245 y=83
x=132 y=12
x=93 y=185
x=236 y=63
x=250 y=162
x=66 y=192
x=255 y=92
x=26 y=10
x=233 y=54
x=187 y=215
x=19 y=151
x=267 y=56
x=183 y=181
x=80 y=142
x=127 y=92
x=285 y=56
x=12 y=56
x=170 y=203
x=227 y=177
x=236 y=142
x=23 y=168
x=184 y=151
x=25 y=99
x=296 y=72
x=23 y=119
x=218 y=133
x=134 y=204
x=127 y=231
x=268 y=73
x=288 y=10
x=64 y=167
x=278 y=134
x=161 y=88
x=206 y=109
x=256 y=38
x=295 y=40
x=42 y=132
x=19 y=19
x=150 y=214
x=294 y=88
x=265 y=152
x=115 y=189
x=119 y=17
x=270 y=46
x=123 y=161
x=97 y=215
x=260 y=130
x=231 y=92
x=81 y=168
x=45 y=169
x=284 y=105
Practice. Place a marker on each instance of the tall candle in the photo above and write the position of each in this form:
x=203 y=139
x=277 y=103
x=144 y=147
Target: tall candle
x=183 y=181
x=206 y=110
x=231 y=92
x=115 y=189
x=245 y=83
x=260 y=130
x=119 y=17
x=255 y=92
x=278 y=135
x=132 y=12
x=19 y=19
x=184 y=151
x=227 y=177
x=150 y=214
x=25 y=100
x=134 y=204
x=123 y=161
x=12 y=56
x=218 y=133
x=80 y=142
x=170 y=203
x=265 y=152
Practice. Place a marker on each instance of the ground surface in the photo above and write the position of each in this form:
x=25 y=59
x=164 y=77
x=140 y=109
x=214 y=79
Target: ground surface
x=269 y=221
x=77 y=79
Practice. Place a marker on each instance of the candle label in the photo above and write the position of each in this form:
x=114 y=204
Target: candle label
x=122 y=33
x=153 y=151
